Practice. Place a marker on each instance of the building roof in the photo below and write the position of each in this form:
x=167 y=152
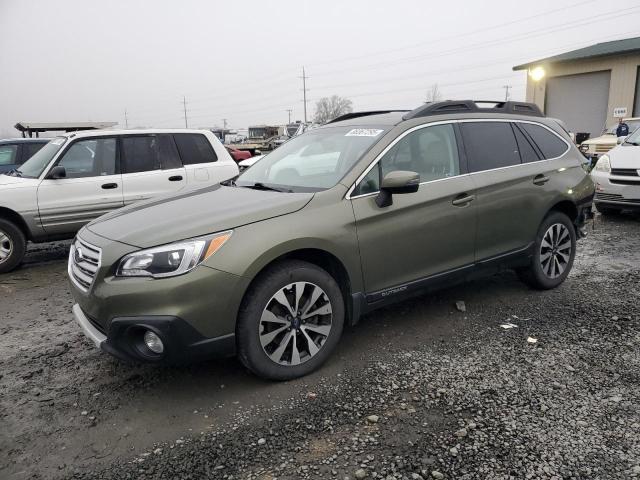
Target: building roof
x=615 y=47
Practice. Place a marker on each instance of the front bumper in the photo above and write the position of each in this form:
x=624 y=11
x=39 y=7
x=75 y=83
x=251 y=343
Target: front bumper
x=182 y=343
x=616 y=191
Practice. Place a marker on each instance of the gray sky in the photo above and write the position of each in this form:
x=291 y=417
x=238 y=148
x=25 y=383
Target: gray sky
x=89 y=60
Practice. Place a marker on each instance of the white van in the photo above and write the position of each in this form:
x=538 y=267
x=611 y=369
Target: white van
x=79 y=176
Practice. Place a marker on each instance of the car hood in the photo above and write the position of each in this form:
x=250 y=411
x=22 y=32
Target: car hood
x=11 y=181
x=601 y=140
x=627 y=156
x=194 y=213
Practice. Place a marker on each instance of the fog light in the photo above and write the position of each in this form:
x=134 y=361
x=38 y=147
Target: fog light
x=153 y=342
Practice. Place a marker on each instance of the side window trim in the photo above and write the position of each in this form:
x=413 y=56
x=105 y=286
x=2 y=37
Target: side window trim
x=462 y=159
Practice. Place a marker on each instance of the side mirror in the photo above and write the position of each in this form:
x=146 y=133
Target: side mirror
x=399 y=182
x=57 y=173
x=621 y=140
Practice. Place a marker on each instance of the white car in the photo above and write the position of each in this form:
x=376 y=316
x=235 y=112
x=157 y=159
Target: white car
x=244 y=164
x=617 y=177
x=80 y=176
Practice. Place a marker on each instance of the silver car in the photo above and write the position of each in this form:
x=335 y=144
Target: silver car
x=617 y=177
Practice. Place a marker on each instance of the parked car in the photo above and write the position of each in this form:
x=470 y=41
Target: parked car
x=594 y=147
x=617 y=177
x=238 y=155
x=338 y=221
x=244 y=164
x=15 y=151
x=79 y=176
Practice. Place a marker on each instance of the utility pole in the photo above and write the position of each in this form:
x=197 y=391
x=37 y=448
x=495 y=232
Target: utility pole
x=304 y=93
x=506 y=92
x=224 y=123
x=184 y=104
x=288 y=110
x=126 y=120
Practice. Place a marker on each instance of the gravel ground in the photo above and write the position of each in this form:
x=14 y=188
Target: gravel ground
x=418 y=390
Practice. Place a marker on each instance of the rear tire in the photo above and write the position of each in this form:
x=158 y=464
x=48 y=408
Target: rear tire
x=13 y=245
x=290 y=321
x=554 y=252
x=608 y=210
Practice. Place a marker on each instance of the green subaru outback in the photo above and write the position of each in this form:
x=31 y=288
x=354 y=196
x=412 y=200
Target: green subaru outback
x=366 y=210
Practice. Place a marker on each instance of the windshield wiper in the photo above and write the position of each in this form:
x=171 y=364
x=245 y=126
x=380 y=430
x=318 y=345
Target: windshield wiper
x=262 y=186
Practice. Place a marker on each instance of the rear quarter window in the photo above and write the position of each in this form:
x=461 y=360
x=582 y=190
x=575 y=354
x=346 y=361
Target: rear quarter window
x=194 y=148
x=548 y=143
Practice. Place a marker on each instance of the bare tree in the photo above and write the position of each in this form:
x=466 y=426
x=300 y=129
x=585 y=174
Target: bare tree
x=328 y=108
x=433 y=95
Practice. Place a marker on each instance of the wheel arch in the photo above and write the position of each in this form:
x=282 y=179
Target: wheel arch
x=567 y=207
x=15 y=218
x=322 y=258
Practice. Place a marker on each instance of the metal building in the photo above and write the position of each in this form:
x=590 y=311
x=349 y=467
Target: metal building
x=590 y=87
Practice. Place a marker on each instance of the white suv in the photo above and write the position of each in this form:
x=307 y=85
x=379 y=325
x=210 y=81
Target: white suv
x=79 y=176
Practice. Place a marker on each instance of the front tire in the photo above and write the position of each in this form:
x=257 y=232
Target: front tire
x=554 y=253
x=13 y=246
x=290 y=322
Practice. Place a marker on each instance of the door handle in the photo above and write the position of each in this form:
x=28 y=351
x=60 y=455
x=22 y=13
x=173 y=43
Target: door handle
x=175 y=178
x=462 y=200
x=109 y=186
x=540 y=179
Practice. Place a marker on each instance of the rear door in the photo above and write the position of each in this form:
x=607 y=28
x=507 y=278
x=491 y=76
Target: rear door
x=91 y=188
x=421 y=234
x=150 y=166
x=201 y=162
x=511 y=193
x=9 y=155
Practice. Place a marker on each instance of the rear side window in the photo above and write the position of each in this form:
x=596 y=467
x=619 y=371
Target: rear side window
x=527 y=152
x=8 y=154
x=549 y=144
x=489 y=145
x=140 y=154
x=194 y=148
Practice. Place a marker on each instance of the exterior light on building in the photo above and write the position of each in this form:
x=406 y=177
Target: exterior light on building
x=536 y=74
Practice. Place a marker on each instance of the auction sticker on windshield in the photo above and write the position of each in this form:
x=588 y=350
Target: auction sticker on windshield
x=364 y=132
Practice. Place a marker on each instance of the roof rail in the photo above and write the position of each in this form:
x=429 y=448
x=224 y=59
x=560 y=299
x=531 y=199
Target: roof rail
x=349 y=116
x=475 y=106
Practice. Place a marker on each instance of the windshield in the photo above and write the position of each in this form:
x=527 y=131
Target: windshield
x=634 y=138
x=34 y=167
x=311 y=162
x=633 y=126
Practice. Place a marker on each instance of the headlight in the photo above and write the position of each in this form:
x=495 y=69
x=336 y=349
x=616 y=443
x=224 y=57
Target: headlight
x=173 y=259
x=603 y=165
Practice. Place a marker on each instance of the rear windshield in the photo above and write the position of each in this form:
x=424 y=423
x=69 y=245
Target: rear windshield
x=314 y=161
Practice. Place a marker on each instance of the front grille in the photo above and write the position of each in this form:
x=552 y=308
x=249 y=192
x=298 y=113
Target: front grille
x=625 y=172
x=84 y=262
x=603 y=148
x=625 y=182
x=612 y=197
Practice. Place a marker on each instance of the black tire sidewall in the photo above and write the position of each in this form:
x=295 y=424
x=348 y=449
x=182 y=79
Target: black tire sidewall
x=250 y=350
x=19 y=245
x=538 y=276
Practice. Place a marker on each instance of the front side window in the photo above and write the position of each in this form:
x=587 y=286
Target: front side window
x=431 y=152
x=194 y=148
x=489 y=145
x=8 y=154
x=90 y=158
x=34 y=167
x=314 y=161
x=549 y=144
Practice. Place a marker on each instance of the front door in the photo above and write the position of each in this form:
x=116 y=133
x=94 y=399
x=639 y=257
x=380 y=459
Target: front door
x=150 y=166
x=92 y=186
x=422 y=234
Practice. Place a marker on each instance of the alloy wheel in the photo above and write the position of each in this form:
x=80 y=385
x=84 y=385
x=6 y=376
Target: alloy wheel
x=555 y=250
x=296 y=323
x=6 y=246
